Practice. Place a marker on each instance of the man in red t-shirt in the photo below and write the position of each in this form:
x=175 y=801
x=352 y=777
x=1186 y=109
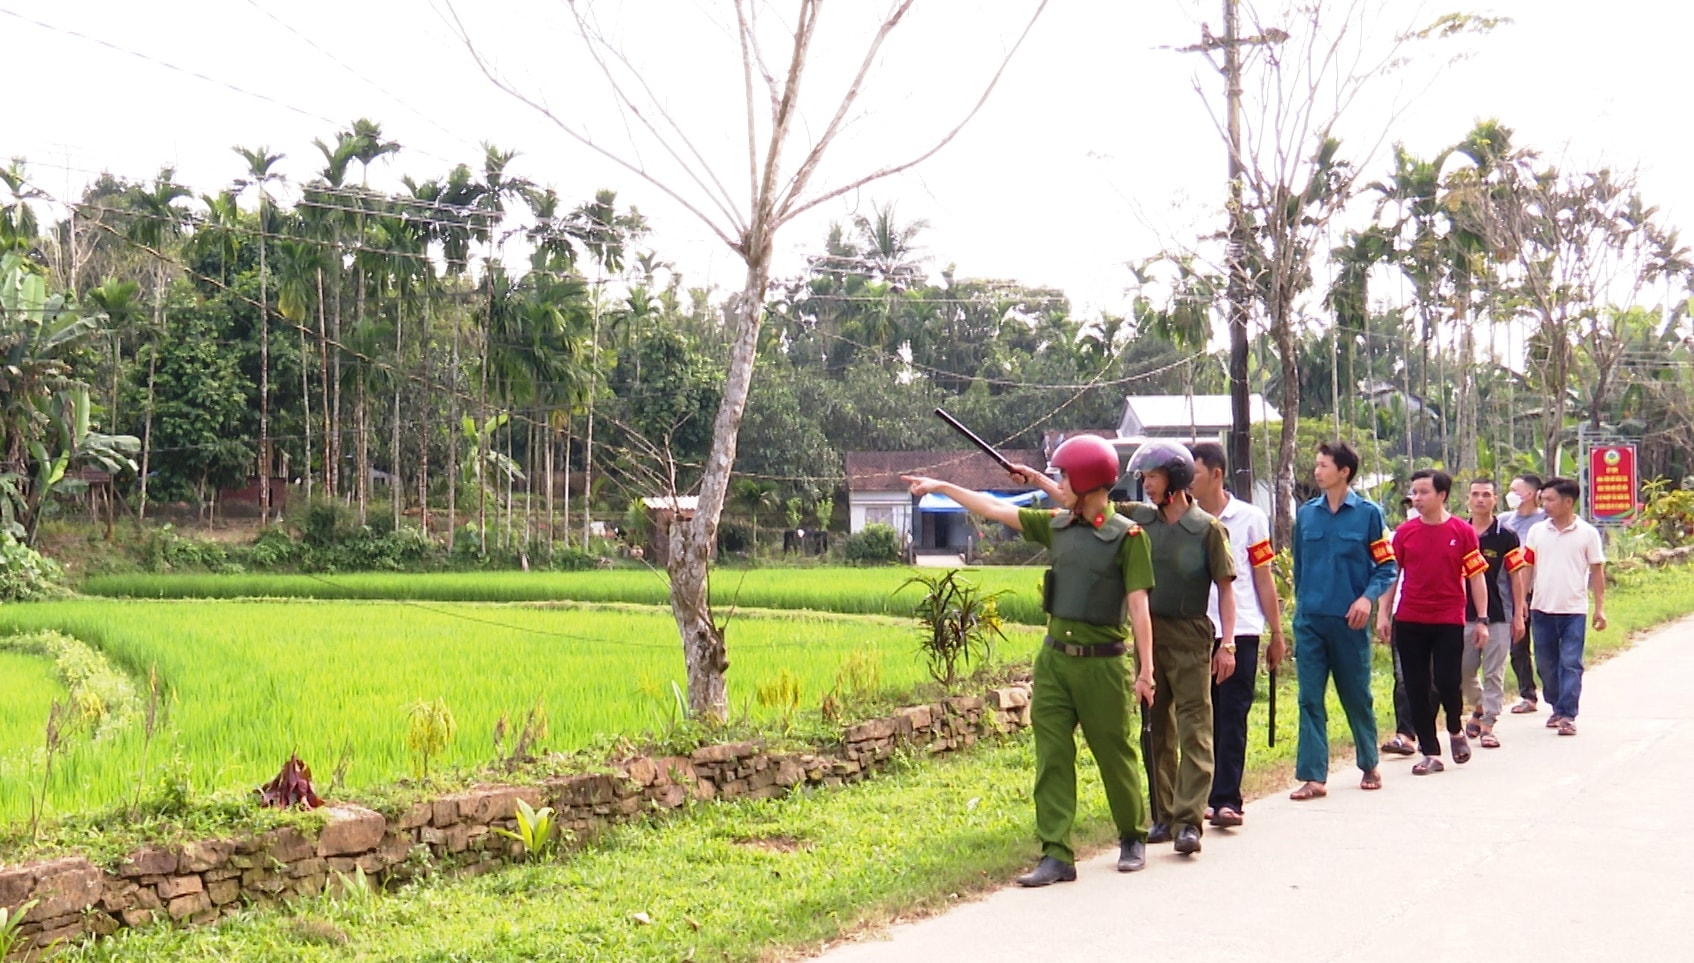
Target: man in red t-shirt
x=1439 y=556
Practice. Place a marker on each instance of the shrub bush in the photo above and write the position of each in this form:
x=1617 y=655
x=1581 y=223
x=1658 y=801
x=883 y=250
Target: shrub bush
x=878 y=544
x=26 y=574
x=1013 y=552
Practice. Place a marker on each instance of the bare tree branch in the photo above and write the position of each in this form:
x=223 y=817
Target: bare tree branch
x=795 y=211
x=577 y=135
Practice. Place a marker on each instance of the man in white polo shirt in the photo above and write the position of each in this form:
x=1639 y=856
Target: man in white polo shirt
x=1255 y=596
x=1567 y=564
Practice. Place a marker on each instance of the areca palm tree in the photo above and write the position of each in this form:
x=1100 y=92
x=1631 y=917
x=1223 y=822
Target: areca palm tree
x=158 y=227
x=260 y=161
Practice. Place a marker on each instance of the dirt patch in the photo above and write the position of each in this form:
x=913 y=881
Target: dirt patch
x=774 y=844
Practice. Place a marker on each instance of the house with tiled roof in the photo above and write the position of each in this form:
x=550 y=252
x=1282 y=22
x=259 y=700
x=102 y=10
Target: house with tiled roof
x=875 y=493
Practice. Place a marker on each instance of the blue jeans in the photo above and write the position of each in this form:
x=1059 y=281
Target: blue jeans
x=1324 y=645
x=1558 y=659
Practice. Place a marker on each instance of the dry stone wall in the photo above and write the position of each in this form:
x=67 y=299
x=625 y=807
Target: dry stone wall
x=198 y=882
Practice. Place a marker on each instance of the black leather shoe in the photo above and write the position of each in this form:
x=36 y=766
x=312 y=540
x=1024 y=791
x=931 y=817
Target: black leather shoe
x=1132 y=855
x=1161 y=833
x=1047 y=872
x=1188 y=840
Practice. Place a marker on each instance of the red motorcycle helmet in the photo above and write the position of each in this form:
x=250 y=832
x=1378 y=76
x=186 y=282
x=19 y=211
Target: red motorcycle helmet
x=1089 y=460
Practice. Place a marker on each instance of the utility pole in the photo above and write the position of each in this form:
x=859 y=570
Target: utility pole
x=1240 y=291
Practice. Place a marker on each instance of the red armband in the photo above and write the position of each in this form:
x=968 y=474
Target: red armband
x=1474 y=564
x=1260 y=553
x=1381 y=551
x=1518 y=558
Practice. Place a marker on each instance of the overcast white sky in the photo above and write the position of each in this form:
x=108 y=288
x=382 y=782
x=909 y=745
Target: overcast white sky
x=1093 y=152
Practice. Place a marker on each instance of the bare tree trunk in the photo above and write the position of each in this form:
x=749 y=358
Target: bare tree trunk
x=484 y=444
x=703 y=650
x=147 y=432
x=323 y=378
x=511 y=468
x=551 y=517
x=397 y=491
x=364 y=480
x=588 y=438
x=1281 y=330
x=306 y=410
x=426 y=400
x=570 y=425
x=337 y=484
x=264 y=376
x=453 y=433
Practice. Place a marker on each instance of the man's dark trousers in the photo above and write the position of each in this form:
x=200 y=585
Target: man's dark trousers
x=1231 y=701
x=1523 y=662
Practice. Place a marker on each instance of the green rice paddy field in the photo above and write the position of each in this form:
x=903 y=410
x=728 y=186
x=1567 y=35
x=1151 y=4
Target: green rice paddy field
x=249 y=681
x=871 y=591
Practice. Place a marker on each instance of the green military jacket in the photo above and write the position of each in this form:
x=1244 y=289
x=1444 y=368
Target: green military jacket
x=1190 y=555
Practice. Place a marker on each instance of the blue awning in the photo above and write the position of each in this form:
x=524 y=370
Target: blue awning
x=941 y=503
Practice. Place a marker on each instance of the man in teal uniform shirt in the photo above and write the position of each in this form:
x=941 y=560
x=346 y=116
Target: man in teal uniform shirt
x=1342 y=564
x=1101 y=572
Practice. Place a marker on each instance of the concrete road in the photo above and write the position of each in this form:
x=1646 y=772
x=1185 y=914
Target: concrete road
x=1568 y=848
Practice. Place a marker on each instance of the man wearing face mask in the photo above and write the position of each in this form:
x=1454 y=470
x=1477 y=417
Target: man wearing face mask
x=1523 y=504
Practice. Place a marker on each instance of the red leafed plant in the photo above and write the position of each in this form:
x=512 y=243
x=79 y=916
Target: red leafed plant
x=291 y=787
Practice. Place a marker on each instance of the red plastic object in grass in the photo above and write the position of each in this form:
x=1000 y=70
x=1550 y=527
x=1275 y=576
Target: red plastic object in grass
x=291 y=787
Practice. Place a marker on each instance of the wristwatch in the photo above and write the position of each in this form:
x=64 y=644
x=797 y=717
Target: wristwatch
x=1228 y=647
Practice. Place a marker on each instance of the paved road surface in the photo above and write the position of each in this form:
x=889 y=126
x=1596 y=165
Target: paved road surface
x=1571 y=849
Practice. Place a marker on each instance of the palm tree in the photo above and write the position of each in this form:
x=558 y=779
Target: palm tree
x=259 y=175
x=158 y=225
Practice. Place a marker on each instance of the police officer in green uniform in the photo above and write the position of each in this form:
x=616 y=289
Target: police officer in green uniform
x=1101 y=573
x=1190 y=555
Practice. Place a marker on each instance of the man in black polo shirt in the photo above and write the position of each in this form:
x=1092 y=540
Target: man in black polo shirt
x=1507 y=612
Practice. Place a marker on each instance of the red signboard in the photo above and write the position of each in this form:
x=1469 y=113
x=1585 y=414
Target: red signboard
x=1612 y=483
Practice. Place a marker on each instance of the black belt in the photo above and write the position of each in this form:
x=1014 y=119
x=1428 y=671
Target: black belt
x=1106 y=650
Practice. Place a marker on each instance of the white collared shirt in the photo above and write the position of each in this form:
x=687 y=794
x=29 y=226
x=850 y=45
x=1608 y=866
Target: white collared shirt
x=1562 y=558
x=1249 y=534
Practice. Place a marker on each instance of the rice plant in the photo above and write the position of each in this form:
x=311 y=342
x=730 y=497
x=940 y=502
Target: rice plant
x=251 y=681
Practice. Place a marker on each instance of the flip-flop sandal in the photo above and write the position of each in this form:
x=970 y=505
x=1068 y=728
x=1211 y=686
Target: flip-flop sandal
x=1473 y=728
x=1428 y=765
x=1567 y=727
x=1461 y=749
x=1311 y=790
x=1399 y=746
x=1371 y=780
x=1525 y=708
x=1490 y=741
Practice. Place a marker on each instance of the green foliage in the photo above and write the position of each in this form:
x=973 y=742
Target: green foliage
x=1666 y=512
x=877 y=544
x=1013 y=551
x=10 y=922
x=430 y=729
x=535 y=832
x=958 y=622
x=25 y=574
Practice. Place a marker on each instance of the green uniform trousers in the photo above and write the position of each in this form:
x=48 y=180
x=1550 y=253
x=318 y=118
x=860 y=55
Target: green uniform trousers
x=1182 y=718
x=1097 y=693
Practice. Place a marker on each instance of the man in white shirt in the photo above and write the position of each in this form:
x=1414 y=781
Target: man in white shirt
x=1567 y=565
x=1523 y=504
x=1257 y=611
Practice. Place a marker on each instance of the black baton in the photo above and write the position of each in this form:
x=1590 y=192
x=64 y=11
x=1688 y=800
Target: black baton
x=975 y=440
x=1272 y=708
